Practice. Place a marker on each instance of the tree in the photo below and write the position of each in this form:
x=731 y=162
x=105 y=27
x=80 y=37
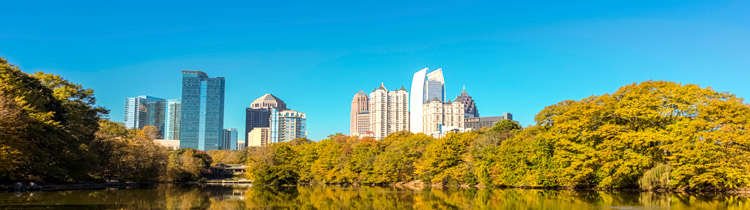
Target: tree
x=13 y=125
x=505 y=125
x=130 y=155
x=61 y=123
x=227 y=156
x=186 y=165
x=151 y=131
x=399 y=152
x=273 y=165
x=611 y=140
x=446 y=161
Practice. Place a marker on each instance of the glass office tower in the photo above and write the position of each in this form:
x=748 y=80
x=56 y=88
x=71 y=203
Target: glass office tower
x=145 y=110
x=172 y=123
x=202 y=121
x=434 y=87
x=229 y=140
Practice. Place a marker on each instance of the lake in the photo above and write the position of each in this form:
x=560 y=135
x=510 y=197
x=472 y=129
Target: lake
x=167 y=196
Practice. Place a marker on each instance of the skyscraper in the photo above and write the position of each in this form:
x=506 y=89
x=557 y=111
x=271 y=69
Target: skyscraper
x=144 y=110
x=259 y=112
x=287 y=125
x=416 y=101
x=424 y=88
x=470 y=109
x=360 y=109
x=389 y=111
x=202 y=120
x=172 y=123
x=437 y=114
x=229 y=139
x=434 y=87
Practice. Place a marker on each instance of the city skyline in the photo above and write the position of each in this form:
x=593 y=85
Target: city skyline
x=512 y=57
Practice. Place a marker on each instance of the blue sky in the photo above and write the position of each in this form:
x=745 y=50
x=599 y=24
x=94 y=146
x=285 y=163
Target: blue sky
x=513 y=57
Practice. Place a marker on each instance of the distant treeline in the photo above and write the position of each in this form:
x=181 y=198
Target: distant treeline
x=649 y=135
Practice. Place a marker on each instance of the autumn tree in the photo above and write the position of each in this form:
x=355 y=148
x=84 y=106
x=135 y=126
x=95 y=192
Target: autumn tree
x=187 y=165
x=447 y=160
x=273 y=165
x=610 y=140
x=13 y=125
x=62 y=120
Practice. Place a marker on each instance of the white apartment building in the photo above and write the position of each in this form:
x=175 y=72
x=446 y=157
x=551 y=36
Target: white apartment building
x=389 y=111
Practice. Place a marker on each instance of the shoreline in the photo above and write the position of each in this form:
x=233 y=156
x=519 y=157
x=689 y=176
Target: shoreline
x=414 y=185
x=63 y=187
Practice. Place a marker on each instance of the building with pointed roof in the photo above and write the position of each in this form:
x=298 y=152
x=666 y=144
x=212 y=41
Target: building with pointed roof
x=359 y=118
x=268 y=101
x=389 y=111
x=470 y=108
x=259 y=113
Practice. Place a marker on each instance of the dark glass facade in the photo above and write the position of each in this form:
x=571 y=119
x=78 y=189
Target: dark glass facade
x=255 y=118
x=202 y=121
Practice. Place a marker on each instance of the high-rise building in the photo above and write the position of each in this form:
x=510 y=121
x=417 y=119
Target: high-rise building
x=145 y=110
x=434 y=87
x=202 y=121
x=416 y=101
x=479 y=122
x=258 y=137
x=438 y=114
x=172 y=123
x=470 y=108
x=229 y=139
x=389 y=111
x=287 y=125
x=360 y=109
x=259 y=112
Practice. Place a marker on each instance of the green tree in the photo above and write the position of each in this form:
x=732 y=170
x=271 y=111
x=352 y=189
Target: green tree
x=273 y=165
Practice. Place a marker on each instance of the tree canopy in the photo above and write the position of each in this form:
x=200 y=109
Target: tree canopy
x=653 y=134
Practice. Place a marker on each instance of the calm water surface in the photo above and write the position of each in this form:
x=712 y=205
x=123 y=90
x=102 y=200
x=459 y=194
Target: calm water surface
x=243 y=197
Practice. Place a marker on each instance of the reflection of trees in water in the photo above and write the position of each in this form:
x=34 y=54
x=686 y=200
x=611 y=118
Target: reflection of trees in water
x=331 y=197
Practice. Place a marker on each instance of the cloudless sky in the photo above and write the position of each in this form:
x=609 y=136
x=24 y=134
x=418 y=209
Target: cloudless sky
x=515 y=56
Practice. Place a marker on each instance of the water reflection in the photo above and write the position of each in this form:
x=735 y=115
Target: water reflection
x=244 y=197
